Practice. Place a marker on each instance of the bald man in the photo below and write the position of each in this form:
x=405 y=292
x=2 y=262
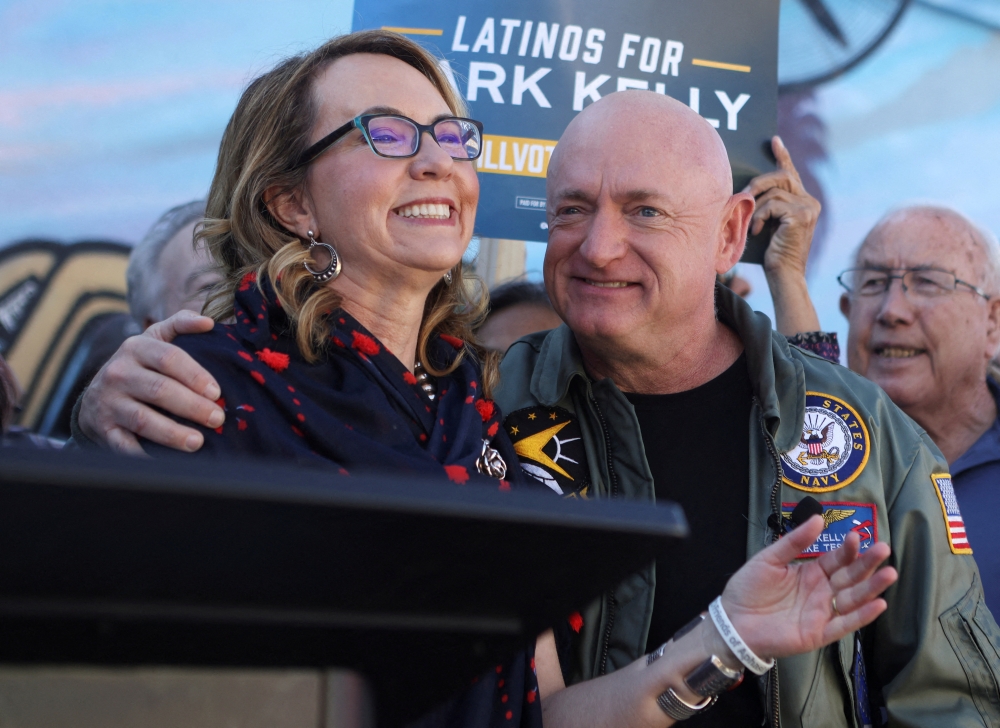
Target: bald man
x=924 y=312
x=663 y=385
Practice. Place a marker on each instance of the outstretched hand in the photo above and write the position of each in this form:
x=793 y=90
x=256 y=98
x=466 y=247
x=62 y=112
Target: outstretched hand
x=149 y=370
x=782 y=608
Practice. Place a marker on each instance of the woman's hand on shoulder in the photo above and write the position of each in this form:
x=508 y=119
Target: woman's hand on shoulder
x=781 y=608
x=149 y=370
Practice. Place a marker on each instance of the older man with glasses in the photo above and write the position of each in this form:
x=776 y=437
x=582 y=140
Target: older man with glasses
x=924 y=319
x=923 y=304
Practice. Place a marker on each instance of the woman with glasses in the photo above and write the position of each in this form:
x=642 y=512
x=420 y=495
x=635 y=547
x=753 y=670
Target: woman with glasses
x=343 y=201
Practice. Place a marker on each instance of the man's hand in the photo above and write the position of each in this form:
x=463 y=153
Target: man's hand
x=782 y=608
x=149 y=370
x=781 y=196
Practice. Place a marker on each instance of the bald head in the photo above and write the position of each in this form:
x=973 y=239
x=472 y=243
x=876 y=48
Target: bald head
x=641 y=217
x=653 y=127
x=967 y=245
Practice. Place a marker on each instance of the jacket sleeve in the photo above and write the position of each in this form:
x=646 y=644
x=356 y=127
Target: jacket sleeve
x=935 y=650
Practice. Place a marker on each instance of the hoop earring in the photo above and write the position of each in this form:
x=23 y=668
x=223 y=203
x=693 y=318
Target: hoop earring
x=448 y=278
x=332 y=269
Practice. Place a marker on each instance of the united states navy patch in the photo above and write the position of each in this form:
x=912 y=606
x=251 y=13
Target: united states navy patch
x=841 y=518
x=833 y=448
x=958 y=540
x=549 y=444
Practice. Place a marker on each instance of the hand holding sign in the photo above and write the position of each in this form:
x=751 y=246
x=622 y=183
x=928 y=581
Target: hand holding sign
x=782 y=198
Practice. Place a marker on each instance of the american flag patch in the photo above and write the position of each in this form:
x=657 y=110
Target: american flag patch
x=957 y=538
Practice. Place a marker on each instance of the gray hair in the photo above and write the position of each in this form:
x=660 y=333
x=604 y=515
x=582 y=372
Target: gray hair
x=985 y=240
x=145 y=284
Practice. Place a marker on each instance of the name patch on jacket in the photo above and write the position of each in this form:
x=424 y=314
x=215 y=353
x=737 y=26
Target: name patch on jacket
x=839 y=520
x=549 y=444
x=953 y=522
x=833 y=448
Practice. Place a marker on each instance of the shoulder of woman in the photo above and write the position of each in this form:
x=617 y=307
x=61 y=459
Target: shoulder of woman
x=221 y=350
x=220 y=340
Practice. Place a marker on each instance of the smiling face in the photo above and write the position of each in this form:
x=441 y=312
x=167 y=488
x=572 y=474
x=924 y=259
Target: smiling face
x=922 y=351
x=393 y=221
x=640 y=220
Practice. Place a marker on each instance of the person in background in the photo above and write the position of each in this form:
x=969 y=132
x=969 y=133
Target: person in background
x=930 y=341
x=736 y=283
x=517 y=308
x=168 y=271
x=922 y=304
x=781 y=196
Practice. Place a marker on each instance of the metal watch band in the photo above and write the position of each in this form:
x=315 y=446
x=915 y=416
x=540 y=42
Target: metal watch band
x=712 y=677
x=677 y=709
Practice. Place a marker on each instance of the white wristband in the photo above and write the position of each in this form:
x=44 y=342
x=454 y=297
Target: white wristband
x=733 y=640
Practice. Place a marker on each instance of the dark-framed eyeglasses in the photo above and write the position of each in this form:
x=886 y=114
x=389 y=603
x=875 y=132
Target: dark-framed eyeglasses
x=398 y=137
x=921 y=282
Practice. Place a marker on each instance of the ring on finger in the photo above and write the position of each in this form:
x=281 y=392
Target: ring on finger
x=833 y=603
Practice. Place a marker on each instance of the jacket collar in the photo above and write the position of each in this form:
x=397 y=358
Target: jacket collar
x=559 y=362
x=778 y=379
x=987 y=448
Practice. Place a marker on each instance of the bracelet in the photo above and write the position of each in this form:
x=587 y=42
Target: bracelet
x=676 y=708
x=732 y=638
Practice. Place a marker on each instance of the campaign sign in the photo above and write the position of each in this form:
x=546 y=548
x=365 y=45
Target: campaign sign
x=527 y=67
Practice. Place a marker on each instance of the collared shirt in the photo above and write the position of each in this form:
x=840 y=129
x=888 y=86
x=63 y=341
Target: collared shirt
x=976 y=475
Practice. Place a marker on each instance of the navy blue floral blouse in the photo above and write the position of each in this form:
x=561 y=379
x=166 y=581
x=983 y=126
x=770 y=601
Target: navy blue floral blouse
x=358 y=409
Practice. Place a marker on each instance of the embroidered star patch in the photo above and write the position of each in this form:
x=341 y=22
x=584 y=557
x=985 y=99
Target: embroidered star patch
x=548 y=443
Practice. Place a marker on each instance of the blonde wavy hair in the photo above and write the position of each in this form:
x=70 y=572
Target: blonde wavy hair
x=265 y=137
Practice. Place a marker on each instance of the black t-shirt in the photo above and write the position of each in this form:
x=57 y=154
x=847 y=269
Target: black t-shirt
x=697 y=444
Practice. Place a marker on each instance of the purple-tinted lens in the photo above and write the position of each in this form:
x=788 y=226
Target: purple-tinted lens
x=458 y=137
x=392 y=136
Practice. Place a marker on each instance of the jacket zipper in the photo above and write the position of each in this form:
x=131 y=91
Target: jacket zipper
x=775 y=508
x=606 y=643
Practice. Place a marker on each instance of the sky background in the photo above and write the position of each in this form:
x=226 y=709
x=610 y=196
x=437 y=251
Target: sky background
x=112 y=112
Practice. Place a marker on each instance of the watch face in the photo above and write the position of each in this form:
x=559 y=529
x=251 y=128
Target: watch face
x=712 y=677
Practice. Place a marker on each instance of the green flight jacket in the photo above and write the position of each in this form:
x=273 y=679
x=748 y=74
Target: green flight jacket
x=933 y=656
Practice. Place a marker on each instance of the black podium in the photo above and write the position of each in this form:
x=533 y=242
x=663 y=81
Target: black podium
x=418 y=586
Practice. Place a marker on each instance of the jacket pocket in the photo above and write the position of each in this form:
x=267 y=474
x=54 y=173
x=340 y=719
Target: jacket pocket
x=975 y=638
